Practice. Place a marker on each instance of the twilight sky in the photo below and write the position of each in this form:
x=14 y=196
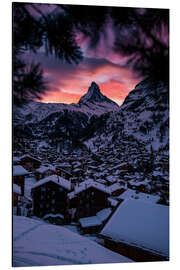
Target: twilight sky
x=68 y=82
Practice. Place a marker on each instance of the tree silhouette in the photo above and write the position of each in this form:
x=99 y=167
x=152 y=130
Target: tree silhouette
x=141 y=35
x=54 y=32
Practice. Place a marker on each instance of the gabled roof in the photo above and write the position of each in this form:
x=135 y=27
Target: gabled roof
x=30 y=157
x=53 y=216
x=55 y=179
x=115 y=186
x=103 y=214
x=96 y=220
x=19 y=170
x=141 y=224
x=89 y=222
x=86 y=185
x=43 y=169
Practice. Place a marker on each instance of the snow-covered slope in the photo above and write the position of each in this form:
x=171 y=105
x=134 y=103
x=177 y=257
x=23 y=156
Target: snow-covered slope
x=144 y=117
x=36 y=243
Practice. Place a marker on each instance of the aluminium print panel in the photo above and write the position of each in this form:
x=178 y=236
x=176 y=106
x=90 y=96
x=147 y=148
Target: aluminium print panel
x=90 y=134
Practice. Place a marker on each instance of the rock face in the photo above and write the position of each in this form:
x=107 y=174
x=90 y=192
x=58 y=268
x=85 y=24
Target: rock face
x=94 y=95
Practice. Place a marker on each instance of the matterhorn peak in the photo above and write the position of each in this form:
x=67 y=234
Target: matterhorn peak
x=94 y=95
x=94 y=86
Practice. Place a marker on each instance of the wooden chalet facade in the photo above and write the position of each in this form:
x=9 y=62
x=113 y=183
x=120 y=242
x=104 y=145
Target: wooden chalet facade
x=19 y=174
x=49 y=196
x=88 y=198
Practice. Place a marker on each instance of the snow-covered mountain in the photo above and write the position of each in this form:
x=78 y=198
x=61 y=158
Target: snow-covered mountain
x=143 y=117
x=97 y=122
x=94 y=96
x=92 y=103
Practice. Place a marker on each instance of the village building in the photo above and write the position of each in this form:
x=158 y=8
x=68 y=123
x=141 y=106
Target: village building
x=93 y=224
x=64 y=173
x=16 y=160
x=135 y=194
x=16 y=196
x=30 y=163
x=44 y=171
x=117 y=189
x=139 y=185
x=139 y=230
x=49 y=196
x=88 y=198
x=56 y=219
x=19 y=174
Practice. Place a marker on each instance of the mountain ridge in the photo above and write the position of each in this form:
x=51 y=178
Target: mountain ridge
x=92 y=103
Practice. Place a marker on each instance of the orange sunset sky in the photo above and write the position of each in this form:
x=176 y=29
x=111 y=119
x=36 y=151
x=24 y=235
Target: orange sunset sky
x=68 y=82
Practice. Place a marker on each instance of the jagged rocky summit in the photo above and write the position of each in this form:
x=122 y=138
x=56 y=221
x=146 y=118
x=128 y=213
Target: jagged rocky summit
x=94 y=95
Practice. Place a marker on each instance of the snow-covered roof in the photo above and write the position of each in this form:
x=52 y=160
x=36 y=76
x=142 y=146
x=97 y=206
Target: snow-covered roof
x=45 y=168
x=139 y=183
x=141 y=224
x=46 y=244
x=53 y=215
x=104 y=214
x=56 y=179
x=30 y=157
x=95 y=220
x=90 y=221
x=111 y=178
x=16 y=159
x=87 y=184
x=16 y=189
x=133 y=194
x=19 y=170
x=112 y=201
x=115 y=187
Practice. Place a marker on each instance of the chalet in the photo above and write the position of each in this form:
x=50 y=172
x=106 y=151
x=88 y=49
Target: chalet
x=139 y=231
x=44 y=171
x=88 y=198
x=78 y=172
x=64 y=173
x=134 y=194
x=90 y=224
x=16 y=160
x=16 y=196
x=138 y=185
x=30 y=163
x=49 y=196
x=93 y=224
x=19 y=174
x=117 y=189
x=56 y=219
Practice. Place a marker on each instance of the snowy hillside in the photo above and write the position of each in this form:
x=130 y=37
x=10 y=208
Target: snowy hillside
x=36 y=243
x=143 y=117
